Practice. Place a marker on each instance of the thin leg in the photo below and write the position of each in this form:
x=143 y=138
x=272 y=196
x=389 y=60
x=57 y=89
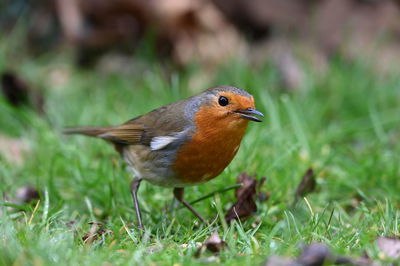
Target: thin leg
x=134 y=189
x=178 y=193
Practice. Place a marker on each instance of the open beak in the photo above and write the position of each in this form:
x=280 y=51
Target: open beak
x=250 y=114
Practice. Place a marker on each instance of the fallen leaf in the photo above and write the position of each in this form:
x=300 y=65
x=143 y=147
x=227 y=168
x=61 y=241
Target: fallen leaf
x=71 y=223
x=248 y=183
x=362 y=261
x=245 y=205
x=27 y=194
x=18 y=93
x=353 y=202
x=307 y=184
x=13 y=149
x=279 y=261
x=390 y=246
x=315 y=254
x=214 y=244
x=96 y=230
x=14 y=89
x=318 y=254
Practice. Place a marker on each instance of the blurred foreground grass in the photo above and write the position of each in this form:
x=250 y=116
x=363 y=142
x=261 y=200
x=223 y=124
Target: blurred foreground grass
x=344 y=124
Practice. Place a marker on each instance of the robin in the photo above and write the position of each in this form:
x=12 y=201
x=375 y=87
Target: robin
x=184 y=143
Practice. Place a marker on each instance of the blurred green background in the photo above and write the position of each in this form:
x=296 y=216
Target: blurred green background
x=325 y=74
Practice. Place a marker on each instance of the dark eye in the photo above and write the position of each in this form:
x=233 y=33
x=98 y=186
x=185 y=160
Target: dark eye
x=223 y=101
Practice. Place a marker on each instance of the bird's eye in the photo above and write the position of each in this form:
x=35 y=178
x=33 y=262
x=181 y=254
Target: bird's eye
x=223 y=101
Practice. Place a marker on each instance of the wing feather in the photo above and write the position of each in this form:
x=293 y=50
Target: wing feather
x=156 y=129
x=159 y=143
x=125 y=134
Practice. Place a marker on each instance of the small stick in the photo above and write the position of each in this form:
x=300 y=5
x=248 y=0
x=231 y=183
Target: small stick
x=215 y=192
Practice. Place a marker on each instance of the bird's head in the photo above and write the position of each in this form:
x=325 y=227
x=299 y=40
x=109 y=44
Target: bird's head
x=228 y=105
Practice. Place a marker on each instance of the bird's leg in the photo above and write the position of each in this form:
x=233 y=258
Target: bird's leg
x=178 y=193
x=134 y=189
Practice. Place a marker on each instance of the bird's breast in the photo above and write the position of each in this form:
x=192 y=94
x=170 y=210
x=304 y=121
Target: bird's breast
x=211 y=148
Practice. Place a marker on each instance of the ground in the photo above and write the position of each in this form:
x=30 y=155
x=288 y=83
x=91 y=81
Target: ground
x=343 y=123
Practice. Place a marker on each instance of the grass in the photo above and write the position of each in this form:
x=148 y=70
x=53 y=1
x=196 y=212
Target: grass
x=344 y=124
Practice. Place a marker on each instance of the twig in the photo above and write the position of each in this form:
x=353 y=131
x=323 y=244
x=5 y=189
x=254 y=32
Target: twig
x=215 y=192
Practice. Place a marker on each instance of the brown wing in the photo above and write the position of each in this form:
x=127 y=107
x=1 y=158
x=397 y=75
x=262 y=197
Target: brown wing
x=124 y=134
x=165 y=121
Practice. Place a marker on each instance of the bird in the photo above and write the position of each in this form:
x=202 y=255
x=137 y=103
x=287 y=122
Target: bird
x=181 y=144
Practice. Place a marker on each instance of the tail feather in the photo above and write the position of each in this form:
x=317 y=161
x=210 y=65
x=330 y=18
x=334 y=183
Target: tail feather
x=87 y=131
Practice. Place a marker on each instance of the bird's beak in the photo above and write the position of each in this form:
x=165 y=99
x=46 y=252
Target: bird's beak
x=250 y=113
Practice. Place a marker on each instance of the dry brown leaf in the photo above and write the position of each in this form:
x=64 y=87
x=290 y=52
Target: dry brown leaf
x=95 y=232
x=356 y=262
x=307 y=184
x=390 y=246
x=248 y=183
x=279 y=261
x=214 y=244
x=71 y=223
x=27 y=194
x=315 y=254
x=13 y=149
x=246 y=194
x=14 y=89
x=245 y=205
x=18 y=93
x=318 y=254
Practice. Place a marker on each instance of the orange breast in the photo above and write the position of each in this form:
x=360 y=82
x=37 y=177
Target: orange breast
x=212 y=147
